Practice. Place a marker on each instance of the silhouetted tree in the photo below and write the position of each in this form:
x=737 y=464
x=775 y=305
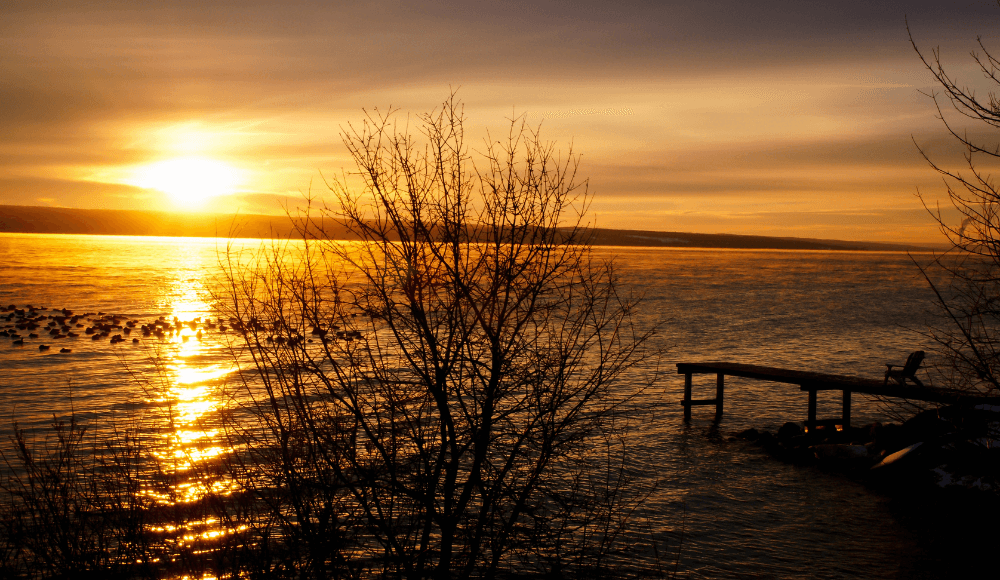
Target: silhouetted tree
x=443 y=398
x=969 y=291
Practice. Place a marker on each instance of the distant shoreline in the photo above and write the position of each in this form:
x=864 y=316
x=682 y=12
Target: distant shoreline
x=54 y=220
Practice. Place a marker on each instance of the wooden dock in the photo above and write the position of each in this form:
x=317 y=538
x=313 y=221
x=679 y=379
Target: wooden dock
x=813 y=383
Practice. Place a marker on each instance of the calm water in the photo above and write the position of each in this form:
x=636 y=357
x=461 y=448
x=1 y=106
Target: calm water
x=741 y=513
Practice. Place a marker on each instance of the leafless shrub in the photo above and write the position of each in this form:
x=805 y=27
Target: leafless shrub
x=966 y=279
x=71 y=504
x=447 y=396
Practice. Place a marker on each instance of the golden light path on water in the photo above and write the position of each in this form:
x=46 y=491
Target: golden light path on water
x=193 y=369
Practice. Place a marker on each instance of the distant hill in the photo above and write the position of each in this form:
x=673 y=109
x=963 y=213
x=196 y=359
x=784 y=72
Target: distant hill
x=606 y=237
x=55 y=220
x=59 y=220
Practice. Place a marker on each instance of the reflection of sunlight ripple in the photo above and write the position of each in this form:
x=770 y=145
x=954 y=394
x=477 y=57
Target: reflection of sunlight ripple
x=193 y=440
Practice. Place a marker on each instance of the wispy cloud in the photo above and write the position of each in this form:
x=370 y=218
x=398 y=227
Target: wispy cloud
x=669 y=102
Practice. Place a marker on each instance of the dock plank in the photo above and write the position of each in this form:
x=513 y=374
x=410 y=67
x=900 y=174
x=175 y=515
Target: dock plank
x=812 y=381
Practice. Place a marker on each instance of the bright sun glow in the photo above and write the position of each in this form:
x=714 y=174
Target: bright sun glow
x=189 y=181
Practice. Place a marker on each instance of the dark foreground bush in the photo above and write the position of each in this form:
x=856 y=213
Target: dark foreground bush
x=448 y=398
x=71 y=505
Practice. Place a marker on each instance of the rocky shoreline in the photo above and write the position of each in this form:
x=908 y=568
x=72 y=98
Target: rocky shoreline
x=952 y=448
x=939 y=472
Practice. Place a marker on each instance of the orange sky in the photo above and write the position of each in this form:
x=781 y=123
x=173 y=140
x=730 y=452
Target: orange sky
x=787 y=118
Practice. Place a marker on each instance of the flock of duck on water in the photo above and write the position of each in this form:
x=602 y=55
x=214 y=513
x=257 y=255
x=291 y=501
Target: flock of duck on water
x=60 y=323
x=55 y=324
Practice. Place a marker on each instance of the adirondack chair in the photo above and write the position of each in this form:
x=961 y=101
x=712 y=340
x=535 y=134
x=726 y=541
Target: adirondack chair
x=907 y=372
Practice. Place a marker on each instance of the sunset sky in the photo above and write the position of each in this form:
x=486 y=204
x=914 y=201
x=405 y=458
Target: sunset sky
x=790 y=118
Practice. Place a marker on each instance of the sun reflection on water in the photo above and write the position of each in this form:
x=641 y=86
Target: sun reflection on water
x=192 y=440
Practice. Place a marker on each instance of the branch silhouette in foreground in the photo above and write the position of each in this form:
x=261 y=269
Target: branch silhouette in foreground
x=447 y=397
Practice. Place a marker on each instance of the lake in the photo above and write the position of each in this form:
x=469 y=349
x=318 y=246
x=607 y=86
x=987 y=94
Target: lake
x=732 y=510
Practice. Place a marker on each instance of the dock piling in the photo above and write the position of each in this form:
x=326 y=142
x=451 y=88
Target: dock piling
x=847 y=409
x=687 y=397
x=811 y=417
x=688 y=402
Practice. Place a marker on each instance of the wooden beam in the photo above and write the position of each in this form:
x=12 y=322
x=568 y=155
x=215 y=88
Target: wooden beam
x=779 y=375
x=695 y=402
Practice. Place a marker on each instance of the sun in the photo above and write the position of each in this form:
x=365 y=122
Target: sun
x=189 y=181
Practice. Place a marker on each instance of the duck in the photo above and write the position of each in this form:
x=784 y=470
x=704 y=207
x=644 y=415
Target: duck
x=43 y=347
x=65 y=350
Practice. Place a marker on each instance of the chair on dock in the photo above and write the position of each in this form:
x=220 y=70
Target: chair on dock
x=907 y=372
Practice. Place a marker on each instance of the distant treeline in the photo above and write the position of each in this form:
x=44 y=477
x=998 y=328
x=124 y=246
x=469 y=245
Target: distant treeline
x=58 y=220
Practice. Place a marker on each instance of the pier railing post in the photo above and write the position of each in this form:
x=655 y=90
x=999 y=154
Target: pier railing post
x=720 y=384
x=687 y=396
x=811 y=420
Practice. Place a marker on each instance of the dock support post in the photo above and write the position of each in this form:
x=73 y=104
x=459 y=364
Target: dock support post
x=847 y=409
x=687 y=396
x=811 y=420
x=720 y=384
